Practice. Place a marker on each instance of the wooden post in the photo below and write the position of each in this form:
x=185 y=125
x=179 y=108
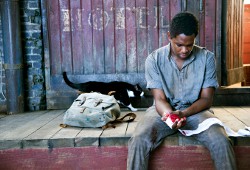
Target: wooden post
x=12 y=55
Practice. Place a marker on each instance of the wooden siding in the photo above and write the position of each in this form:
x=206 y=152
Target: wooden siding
x=113 y=36
x=233 y=28
x=109 y=40
x=106 y=36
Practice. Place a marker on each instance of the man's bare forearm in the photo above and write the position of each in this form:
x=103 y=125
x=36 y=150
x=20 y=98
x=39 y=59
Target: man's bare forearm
x=196 y=107
x=203 y=103
x=162 y=107
x=161 y=104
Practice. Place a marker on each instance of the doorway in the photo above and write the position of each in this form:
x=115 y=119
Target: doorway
x=245 y=48
x=246 y=43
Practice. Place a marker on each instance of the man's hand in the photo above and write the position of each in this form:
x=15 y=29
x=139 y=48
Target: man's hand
x=176 y=117
x=179 y=123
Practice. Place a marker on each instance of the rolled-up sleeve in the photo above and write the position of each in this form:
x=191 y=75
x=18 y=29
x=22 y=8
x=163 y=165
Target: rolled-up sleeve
x=152 y=73
x=210 y=79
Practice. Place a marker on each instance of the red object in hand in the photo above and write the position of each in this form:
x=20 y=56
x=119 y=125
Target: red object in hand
x=172 y=118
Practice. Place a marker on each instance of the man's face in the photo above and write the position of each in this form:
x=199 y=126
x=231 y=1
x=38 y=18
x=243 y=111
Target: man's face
x=181 y=45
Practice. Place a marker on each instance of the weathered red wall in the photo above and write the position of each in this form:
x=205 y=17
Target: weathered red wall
x=167 y=157
x=246 y=34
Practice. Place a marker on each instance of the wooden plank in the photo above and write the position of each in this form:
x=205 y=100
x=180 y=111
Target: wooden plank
x=210 y=25
x=87 y=24
x=202 y=25
x=77 y=42
x=175 y=7
x=54 y=37
x=164 y=21
x=193 y=7
x=240 y=41
x=25 y=126
x=218 y=41
x=231 y=34
x=66 y=28
x=47 y=54
x=228 y=38
x=98 y=39
x=109 y=36
x=131 y=36
x=120 y=45
x=247 y=108
x=85 y=158
x=132 y=125
x=88 y=137
x=191 y=157
x=235 y=34
x=114 y=158
x=40 y=129
x=41 y=136
x=239 y=113
x=228 y=118
x=141 y=47
x=235 y=75
x=127 y=77
x=11 y=122
x=114 y=136
x=152 y=22
x=49 y=129
x=10 y=144
x=65 y=137
x=241 y=17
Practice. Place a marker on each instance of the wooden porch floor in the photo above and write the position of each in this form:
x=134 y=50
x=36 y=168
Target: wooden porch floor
x=41 y=130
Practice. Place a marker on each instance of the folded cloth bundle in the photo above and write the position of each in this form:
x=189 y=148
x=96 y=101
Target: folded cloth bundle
x=205 y=125
x=171 y=118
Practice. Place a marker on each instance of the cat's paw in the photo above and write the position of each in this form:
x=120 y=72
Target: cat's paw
x=132 y=108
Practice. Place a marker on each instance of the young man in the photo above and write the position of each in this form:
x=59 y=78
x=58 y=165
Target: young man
x=182 y=79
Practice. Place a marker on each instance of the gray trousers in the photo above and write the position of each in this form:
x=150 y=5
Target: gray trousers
x=151 y=131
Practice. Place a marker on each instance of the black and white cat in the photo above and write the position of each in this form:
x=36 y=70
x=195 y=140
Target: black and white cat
x=122 y=91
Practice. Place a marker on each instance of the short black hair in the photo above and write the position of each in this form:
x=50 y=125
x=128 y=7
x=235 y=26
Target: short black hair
x=184 y=23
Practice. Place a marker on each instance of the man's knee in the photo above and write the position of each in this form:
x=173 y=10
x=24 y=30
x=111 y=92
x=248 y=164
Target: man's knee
x=217 y=138
x=137 y=139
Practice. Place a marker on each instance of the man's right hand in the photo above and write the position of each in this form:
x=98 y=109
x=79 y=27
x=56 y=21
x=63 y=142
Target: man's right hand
x=179 y=123
x=175 y=119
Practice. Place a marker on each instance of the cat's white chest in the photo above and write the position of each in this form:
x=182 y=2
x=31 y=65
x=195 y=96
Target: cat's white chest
x=130 y=93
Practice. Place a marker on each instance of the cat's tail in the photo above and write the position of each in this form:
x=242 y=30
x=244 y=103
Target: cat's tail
x=68 y=82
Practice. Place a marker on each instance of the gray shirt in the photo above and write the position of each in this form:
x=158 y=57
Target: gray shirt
x=181 y=87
